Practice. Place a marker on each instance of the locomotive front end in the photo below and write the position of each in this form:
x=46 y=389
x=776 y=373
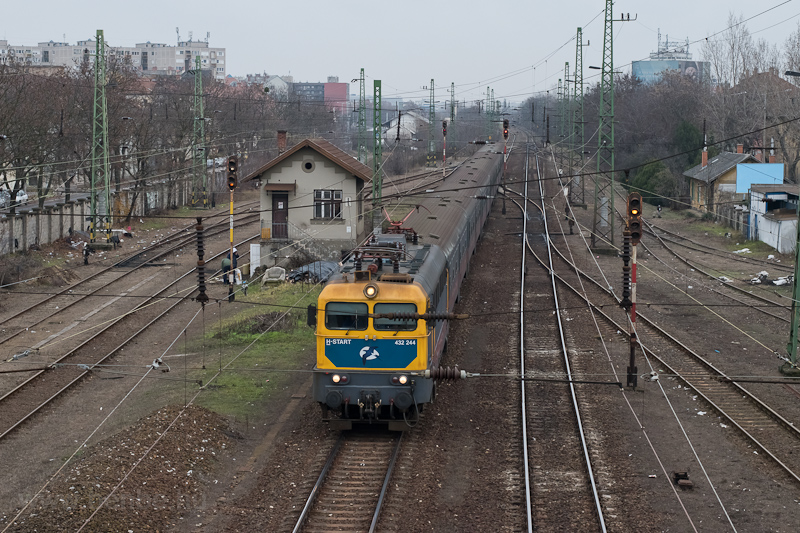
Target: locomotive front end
x=364 y=359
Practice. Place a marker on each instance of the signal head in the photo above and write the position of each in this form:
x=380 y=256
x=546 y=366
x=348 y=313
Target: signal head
x=635 y=216
x=233 y=163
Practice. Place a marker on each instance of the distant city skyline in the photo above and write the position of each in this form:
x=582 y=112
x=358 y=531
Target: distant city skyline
x=516 y=47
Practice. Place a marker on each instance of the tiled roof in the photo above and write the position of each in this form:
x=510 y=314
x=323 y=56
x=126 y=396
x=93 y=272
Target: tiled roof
x=718 y=166
x=328 y=150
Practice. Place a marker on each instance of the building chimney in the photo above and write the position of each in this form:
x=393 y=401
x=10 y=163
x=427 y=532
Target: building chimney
x=281 y=141
x=740 y=148
x=704 y=161
x=759 y=155
x=772 y=158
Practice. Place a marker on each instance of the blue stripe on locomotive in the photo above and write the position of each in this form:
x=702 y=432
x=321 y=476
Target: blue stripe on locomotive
x=371 y=354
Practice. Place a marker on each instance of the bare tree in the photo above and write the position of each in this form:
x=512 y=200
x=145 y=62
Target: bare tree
x=731 y=52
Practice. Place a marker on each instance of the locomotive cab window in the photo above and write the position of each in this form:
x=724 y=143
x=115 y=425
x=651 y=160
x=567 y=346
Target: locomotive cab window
x=346 y=315
x=393 y=324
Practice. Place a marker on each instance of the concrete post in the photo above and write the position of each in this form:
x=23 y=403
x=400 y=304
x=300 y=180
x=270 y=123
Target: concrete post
x=37 y=226
x=24 y=241
x=51 y=212
x=81 y=209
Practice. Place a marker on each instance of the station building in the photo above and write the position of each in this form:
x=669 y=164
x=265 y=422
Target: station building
x=312 y=200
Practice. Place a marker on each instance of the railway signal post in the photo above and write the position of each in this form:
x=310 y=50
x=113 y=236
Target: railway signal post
x=631 y=237
x=444 y=148
x=233 y=168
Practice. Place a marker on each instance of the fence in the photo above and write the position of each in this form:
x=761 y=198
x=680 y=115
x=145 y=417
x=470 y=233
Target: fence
x=30 y=226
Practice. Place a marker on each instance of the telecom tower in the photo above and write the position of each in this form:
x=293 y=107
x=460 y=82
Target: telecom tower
x=576 y=191
x=377 y=159
x=100 y=161
x=199 y=139
x=362 y=121
x=603 y=219
x=431 y=131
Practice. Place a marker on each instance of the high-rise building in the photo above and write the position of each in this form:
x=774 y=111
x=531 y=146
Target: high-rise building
x=671 y=55
x=149 y=58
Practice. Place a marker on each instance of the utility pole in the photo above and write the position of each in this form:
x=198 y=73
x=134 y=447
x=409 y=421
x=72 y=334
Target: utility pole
x=577 y=191
x=100 y=161
x=199 y=138
x=377 y=159
x=362 y=121
x=603 y=218
x=399 y=117
x=431 y=130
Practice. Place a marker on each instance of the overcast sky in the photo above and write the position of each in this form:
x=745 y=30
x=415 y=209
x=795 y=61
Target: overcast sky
x=516 y=47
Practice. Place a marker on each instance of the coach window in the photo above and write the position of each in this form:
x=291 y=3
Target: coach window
x=394 y=324
x=346 y=315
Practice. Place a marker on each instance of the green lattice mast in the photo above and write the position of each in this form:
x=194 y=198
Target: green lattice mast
x=377 y=158
x=577 y=194
x=567 y=120
x=560 y=107
x=431 y=130
x=453 y=116
x=488 y=114
x=495 y=111
x=199 y=139
x=603 y=219
x=362 y=120
x=100 y=161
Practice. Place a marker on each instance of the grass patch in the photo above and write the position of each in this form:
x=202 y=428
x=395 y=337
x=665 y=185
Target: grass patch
x=270 y=344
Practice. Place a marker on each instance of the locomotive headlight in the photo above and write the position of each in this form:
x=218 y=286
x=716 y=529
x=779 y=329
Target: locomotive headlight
x=339 y=379
x=403 y=380
x=371 y=290
x=336 y=378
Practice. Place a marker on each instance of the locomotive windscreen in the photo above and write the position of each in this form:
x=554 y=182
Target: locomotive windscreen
x=346 y=315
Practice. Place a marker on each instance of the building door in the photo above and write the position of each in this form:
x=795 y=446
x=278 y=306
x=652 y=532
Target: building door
x=280 y=216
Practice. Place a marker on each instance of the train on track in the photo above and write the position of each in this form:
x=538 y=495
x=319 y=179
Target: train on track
x=379 y=324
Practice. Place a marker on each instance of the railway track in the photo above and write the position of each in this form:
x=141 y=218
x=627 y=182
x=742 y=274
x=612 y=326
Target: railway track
x=769 y=432
x=66 y=301
x=350 y=490
x=557 y=458
x=44 y=385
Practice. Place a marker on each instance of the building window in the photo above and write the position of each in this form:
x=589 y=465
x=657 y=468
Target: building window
x=327 y=203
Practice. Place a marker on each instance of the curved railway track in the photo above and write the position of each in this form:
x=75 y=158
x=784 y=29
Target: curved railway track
x=767 y=430
x=27 y=398
x=350 y=490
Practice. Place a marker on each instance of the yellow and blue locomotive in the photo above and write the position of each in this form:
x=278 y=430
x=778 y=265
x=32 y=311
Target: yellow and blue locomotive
x=373 y=347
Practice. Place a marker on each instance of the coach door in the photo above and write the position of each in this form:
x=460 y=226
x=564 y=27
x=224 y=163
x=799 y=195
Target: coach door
x=280 y=216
